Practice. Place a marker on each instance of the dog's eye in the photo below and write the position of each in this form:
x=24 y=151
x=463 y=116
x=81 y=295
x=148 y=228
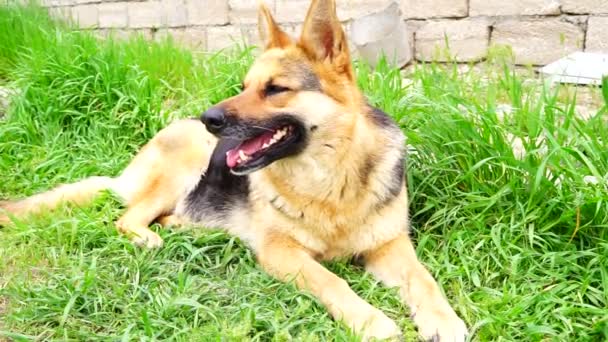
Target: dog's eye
x=273 y=89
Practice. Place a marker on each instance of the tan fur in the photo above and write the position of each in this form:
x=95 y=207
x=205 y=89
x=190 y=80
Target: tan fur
x=285 y=259
x=395 y=264
x=324 y=203
x=76 y=193
x=165 y=170
x=162 y=173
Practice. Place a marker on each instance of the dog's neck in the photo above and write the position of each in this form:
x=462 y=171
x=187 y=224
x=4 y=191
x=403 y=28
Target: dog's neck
x=330 y=169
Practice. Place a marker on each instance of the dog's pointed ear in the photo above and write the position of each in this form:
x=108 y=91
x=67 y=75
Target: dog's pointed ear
x=271 y=34
x=323 y=37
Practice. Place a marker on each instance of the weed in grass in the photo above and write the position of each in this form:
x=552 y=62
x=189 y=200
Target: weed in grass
x=519 y=244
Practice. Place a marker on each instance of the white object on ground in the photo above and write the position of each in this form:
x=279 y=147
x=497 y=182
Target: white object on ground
x=5 y=99
x=591 y=180
x=578 y=68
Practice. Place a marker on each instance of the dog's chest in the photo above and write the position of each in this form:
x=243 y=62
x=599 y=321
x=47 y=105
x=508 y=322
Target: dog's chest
x=326 y=228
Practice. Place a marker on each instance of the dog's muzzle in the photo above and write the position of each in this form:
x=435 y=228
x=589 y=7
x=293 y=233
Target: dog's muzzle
x=214 y=119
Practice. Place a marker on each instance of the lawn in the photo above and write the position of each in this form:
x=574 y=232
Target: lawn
x=518 y=241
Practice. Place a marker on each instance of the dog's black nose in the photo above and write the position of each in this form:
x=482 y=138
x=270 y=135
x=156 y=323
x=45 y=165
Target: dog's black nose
x=214 y=119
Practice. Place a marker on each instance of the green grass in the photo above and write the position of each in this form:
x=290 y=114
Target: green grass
x=519 y=246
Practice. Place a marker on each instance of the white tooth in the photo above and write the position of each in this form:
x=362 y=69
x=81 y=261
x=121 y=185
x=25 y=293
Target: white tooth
x=242 y=155
x=265 y=145
x=272 y=141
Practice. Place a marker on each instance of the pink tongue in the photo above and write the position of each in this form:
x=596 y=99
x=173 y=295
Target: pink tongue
x=249 y=147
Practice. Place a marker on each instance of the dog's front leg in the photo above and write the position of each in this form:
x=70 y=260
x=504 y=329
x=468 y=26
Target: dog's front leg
x=395 y=263
x=285 y=259
x=135 y=223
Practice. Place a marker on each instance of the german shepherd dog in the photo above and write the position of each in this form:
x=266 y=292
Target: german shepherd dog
x=299 y=167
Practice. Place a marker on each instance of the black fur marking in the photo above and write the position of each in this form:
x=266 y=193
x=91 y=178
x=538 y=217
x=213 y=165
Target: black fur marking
x=243 y=129
x=218 y=190
x=292 y=145
x=395 y=186
x=309 y=81
x=404 y=168
x=398 y=177
x=358 y=260
x=273 y=201
x=342 y=191
x=303 y=72
x=239 y=130
x=396 y=183
x=366 y=170
x=381 y=119
x=307 y=77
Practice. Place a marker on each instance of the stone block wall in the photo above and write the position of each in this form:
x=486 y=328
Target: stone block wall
x=538 y=31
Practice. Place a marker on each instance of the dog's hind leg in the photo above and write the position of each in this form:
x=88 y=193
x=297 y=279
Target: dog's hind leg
x=153 y=202
x=78 y=193
x=164 y=171
x=395 y=264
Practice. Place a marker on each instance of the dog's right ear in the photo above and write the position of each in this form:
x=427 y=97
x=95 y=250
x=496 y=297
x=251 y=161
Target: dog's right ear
x=271 y=34
x=323 y=37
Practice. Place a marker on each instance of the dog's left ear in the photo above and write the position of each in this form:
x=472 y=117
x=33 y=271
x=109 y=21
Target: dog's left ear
x=271 y=34
x=323 y=38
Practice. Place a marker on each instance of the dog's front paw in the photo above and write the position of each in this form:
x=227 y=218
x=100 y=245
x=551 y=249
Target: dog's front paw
x=148 y=239
x=440 y=324
x=140 y=236
x=375 y=324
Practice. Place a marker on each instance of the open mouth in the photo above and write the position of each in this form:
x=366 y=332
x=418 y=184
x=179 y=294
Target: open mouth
x=261 y=150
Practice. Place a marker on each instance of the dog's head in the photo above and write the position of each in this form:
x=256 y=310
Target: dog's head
x=294 y=90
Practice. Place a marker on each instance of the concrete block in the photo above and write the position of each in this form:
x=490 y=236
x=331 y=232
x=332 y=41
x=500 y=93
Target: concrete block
x=585 y=6
x=194 y=38
x=229 y=36
x=513 y=7
x=291 y=11
x=207 y=12
x=246 y=11
x=597 y=35
x=465 y=40
x=113 y=15
x=176 y=14
x=424 y=9
x=146 y=14
x=86 y=16
x=538 y=41
x=352 y=9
